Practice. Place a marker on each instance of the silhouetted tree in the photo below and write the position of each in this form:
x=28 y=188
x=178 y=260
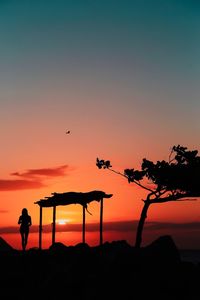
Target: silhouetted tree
x=170 y=181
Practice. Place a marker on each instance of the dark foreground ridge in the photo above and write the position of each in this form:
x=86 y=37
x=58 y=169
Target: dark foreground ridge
x=114 y=270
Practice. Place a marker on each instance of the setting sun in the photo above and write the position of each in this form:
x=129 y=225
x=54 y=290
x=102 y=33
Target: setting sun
x=62 y=221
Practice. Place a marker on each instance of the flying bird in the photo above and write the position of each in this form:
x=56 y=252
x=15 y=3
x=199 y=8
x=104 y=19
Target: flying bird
x=68 y=131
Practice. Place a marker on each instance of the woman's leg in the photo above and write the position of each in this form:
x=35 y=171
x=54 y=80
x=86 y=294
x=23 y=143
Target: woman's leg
x=23 y=240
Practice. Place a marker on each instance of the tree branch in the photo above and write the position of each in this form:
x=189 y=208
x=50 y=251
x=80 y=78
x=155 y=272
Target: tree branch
x=177 y=197
x=136 y=182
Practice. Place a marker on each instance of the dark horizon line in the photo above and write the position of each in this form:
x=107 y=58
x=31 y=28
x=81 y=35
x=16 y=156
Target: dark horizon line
x=120 y=226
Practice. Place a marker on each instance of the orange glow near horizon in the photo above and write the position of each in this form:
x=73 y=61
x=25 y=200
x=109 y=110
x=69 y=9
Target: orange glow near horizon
x=126 y=204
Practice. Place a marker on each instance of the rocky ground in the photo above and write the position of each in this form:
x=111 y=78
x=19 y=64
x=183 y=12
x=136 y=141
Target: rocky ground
x=112 y=271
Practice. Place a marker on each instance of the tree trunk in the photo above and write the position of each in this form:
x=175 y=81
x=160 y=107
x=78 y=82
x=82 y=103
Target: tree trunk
x=101 y=222
x=141 y=224
x=40 y=229
x=83 y=231
x=54 y=225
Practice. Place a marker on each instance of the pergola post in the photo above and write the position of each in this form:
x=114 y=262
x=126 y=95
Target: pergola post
x=54 y=225
x=72 y=198
x=101 y=222
x=40 y=229
x=83 y=232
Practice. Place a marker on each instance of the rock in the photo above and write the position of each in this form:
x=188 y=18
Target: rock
x=163 y=249
x=58 y=247
x=4 y=246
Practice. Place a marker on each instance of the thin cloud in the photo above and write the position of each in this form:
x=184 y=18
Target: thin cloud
x=14 y=185
x=43 y=172
x=184 y=226
x=9 y=229
x=32 y=178
x=3 y=211
x=126 y=226
x=119 y=226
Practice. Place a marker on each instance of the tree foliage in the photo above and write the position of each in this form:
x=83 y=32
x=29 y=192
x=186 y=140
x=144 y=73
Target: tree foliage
x=178 y=178
x=170 y=180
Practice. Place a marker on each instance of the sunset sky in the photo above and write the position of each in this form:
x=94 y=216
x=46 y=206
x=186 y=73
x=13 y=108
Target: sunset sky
x=123 y=77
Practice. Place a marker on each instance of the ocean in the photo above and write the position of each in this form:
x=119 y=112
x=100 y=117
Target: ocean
x=190 y=255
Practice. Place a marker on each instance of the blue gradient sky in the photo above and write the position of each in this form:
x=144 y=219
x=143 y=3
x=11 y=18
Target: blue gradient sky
x=137 y=60
x=122 y=75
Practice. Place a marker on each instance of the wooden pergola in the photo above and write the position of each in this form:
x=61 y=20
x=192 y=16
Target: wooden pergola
x=72 y=198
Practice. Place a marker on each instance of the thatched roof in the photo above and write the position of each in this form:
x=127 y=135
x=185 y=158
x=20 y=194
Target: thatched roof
x=72 y=198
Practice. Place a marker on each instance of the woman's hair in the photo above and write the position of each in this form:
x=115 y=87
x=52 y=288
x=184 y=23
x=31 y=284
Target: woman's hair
x=24 y=211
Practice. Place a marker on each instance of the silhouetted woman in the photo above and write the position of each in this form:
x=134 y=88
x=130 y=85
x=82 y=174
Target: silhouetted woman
x=25 y=221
